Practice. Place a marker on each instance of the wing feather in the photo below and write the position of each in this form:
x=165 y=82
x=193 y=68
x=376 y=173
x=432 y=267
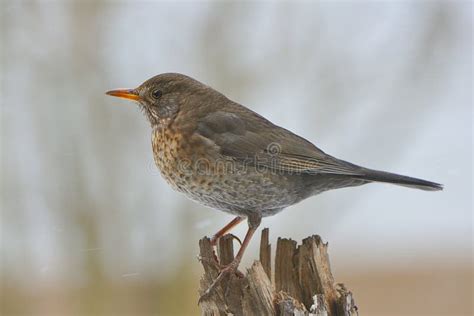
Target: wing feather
x=248 y=136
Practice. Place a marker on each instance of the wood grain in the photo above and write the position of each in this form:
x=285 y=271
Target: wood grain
x=304 y=284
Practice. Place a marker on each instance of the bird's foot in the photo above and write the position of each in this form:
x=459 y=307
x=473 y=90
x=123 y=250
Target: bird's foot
x=219 y=266
x=214 y=241
x=213 y=261
x=216 y=238
x=228 y=270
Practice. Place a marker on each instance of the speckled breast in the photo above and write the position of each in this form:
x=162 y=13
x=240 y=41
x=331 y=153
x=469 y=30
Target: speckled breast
x=167 y=151
x=186 y=165
x=218 y=182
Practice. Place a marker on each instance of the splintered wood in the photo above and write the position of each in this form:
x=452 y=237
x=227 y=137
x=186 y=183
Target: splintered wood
x=303 y=283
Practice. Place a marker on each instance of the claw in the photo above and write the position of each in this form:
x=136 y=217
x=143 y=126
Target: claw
x=214 y=241
x=214 y=260
x=225 y=271
x=236 y=238
x=254 y=221
x=218 y=266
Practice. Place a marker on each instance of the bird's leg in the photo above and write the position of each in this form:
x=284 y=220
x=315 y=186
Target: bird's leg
x=254 y=222
x=222 y=232
x=225 y=229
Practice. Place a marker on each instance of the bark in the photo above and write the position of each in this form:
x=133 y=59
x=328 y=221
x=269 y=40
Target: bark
x=304 y=284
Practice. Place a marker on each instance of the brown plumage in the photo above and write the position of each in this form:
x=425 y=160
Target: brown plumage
x=223 y=155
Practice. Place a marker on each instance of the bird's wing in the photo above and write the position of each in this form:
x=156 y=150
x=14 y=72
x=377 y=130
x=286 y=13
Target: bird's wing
x=246 y=136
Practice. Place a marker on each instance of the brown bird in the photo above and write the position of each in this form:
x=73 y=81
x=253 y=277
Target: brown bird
x=223 y=155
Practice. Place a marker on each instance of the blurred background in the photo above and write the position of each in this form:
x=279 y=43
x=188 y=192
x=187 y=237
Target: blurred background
x=88 y=226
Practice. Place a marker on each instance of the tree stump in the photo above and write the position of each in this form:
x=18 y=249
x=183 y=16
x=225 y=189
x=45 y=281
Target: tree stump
x=303 y=282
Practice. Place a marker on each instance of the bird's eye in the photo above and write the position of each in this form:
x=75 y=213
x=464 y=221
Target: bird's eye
x=156 y=94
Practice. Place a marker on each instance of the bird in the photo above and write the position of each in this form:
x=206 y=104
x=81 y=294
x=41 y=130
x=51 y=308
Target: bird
x=225 y=156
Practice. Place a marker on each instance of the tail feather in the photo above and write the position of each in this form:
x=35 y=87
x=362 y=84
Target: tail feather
x=387 y=177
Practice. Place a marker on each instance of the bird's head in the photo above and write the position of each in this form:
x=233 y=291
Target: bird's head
x=160 y=97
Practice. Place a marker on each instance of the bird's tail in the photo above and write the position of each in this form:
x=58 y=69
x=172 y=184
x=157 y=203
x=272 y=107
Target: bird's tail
x=387 y=177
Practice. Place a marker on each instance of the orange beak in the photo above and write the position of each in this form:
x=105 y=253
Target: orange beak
x=130 y=94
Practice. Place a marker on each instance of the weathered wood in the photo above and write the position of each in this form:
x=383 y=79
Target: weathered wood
x=217 y=305
x=319 y=306
x=266 y=252
x=304 y=284
x=233 y=286
x=345 y=301
x=288 y=306
x=314 y=273
x=225 y=249
x=286 y=279
x=258 y=292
